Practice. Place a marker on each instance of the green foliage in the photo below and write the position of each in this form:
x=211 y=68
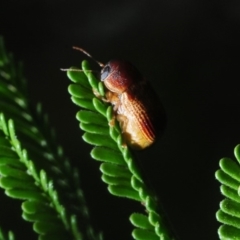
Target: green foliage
x=119 y=169
x=33 y=167
x=34 y=170
x=4 y=236
x=229 y=214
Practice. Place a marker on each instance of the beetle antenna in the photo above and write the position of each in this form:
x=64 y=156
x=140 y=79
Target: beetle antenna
x=89 y=55
x=71 y=69
x=75 y=70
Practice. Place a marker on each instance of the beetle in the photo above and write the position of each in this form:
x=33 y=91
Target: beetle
x=136 y=105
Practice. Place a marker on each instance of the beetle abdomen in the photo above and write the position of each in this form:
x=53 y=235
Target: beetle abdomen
x=137 y=125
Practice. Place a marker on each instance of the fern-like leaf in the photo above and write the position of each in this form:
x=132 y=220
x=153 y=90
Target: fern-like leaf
x=119 y=170
x=22 y=181
x=229 y=214
x=36 y=170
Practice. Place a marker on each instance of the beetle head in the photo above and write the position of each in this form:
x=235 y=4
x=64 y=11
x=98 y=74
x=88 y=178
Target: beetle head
x=118 y=76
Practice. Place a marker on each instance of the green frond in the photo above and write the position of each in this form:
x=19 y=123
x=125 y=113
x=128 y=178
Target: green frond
x=229 y=213
x=119 y=169
x=33 y=167
x=33 y=187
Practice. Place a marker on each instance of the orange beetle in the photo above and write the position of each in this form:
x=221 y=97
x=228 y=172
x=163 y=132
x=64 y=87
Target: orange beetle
x=136 y=105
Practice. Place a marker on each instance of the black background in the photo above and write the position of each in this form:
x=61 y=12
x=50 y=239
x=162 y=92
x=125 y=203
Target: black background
x=189 y=50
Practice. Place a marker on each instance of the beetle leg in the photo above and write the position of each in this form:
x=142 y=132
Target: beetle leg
x=116 y=106
x=112 y=98
x=98 y=95
x=112 y=122
x=123 y=121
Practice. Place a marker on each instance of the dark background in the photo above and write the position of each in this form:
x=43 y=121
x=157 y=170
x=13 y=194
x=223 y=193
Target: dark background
x=189 y=50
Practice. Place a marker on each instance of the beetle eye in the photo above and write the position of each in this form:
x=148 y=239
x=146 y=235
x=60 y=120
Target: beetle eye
x=104 y=73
